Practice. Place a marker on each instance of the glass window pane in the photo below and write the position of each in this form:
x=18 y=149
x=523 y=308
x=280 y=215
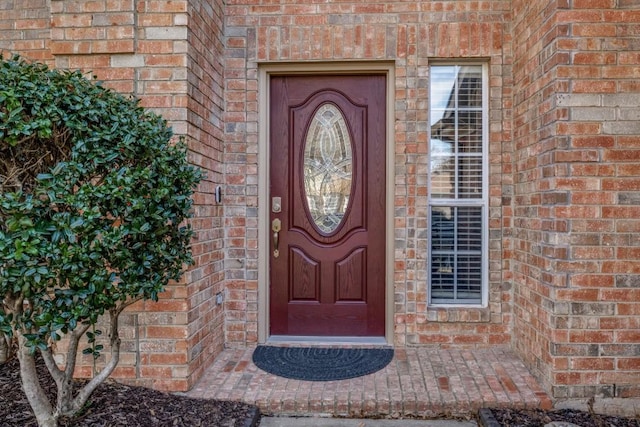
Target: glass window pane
x=469 y=134
x=470 y=86
x=443 y=177
x=456 y=184
x=442 y=229
x=443 y=78
x=469 y=275
x=469 y=228
x=442 y=278
x=456 y=254
x=443 y=125
x=328 y=168
x=456 y=133
x=470 y=177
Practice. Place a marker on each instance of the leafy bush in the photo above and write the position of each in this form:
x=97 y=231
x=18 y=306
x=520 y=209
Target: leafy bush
x=93 y=200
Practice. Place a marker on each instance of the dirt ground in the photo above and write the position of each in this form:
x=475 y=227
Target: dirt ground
x=539 y=418
x=114 y=404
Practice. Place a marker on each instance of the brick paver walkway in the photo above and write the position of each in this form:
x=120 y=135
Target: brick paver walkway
x=419 y=382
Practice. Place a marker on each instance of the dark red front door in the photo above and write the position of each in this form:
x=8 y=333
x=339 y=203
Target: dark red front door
x=327 y=205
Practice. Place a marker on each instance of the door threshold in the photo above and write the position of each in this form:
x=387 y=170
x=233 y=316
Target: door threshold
x=323 y=341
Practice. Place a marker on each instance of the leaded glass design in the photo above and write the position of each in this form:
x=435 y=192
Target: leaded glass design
x=328 y=167
x=457 y=187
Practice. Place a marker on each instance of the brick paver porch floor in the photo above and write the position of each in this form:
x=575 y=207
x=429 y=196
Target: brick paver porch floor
x=419 y=382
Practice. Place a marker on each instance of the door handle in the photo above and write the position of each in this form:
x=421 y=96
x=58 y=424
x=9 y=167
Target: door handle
x=275 y=227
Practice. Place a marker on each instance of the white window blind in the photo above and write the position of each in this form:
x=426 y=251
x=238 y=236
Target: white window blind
x=457 y=184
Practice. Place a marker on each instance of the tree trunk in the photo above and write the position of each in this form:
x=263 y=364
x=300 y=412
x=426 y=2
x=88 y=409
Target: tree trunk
x=36 y=396
x=69 y=405
x=5 y=348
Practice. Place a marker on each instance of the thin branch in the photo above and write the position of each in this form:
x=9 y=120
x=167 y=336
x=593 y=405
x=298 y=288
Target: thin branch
x=26 y=138
x=85 y=392
x=56 y=373
x=129 y=302
x=65 y=399
x=60 y=138
x=72 y=351
x=14 y=303
x=31 y=155
x=11 y=179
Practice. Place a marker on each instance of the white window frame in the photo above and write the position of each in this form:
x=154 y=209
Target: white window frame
x=482 y=202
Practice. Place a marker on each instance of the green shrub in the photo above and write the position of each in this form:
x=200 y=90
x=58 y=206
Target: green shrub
x=94 y=194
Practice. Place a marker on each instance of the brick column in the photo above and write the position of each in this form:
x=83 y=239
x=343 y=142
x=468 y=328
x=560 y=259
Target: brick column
x=576 y=174
x=169 y=55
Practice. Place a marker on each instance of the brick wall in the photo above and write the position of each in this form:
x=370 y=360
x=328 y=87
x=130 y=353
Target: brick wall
x=410 y=34
x=25 y=28
x=167 y=54
x=206 y=141
x=534 y=39
x=563 y=154
x=576 y=180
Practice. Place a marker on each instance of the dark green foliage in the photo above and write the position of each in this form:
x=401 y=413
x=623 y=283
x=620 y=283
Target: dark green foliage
x=93 y=198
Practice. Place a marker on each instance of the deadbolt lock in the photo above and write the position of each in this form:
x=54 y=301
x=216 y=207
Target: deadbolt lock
x=276 y=204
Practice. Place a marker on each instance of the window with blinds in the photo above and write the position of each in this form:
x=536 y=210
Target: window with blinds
x=457 y=184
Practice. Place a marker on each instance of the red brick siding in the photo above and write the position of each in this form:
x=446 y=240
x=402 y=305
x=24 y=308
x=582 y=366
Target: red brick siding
x=92 y=27
x=206 y=142
x=576 y=195
x=24 y=28
x=534 y=42
x=411 y=34
x=563 y=155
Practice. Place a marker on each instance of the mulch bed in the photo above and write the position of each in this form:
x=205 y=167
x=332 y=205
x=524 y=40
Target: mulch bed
x=538 y=418
x=114 y=404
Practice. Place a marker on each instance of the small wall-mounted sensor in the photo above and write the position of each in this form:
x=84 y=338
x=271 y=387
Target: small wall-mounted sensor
x=219 y=298
x=218 y=194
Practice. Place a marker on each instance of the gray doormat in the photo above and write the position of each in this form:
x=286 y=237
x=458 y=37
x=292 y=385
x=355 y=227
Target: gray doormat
x=321 y=364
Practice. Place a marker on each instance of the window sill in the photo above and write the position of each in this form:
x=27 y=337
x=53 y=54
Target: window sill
x=458 y=314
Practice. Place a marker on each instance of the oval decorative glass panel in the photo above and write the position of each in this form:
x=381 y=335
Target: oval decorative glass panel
x=328 y=168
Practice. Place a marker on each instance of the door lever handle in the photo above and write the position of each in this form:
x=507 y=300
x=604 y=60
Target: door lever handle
x=275 y=227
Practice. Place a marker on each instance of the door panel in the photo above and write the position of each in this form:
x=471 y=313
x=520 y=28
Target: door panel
x=327 y=151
